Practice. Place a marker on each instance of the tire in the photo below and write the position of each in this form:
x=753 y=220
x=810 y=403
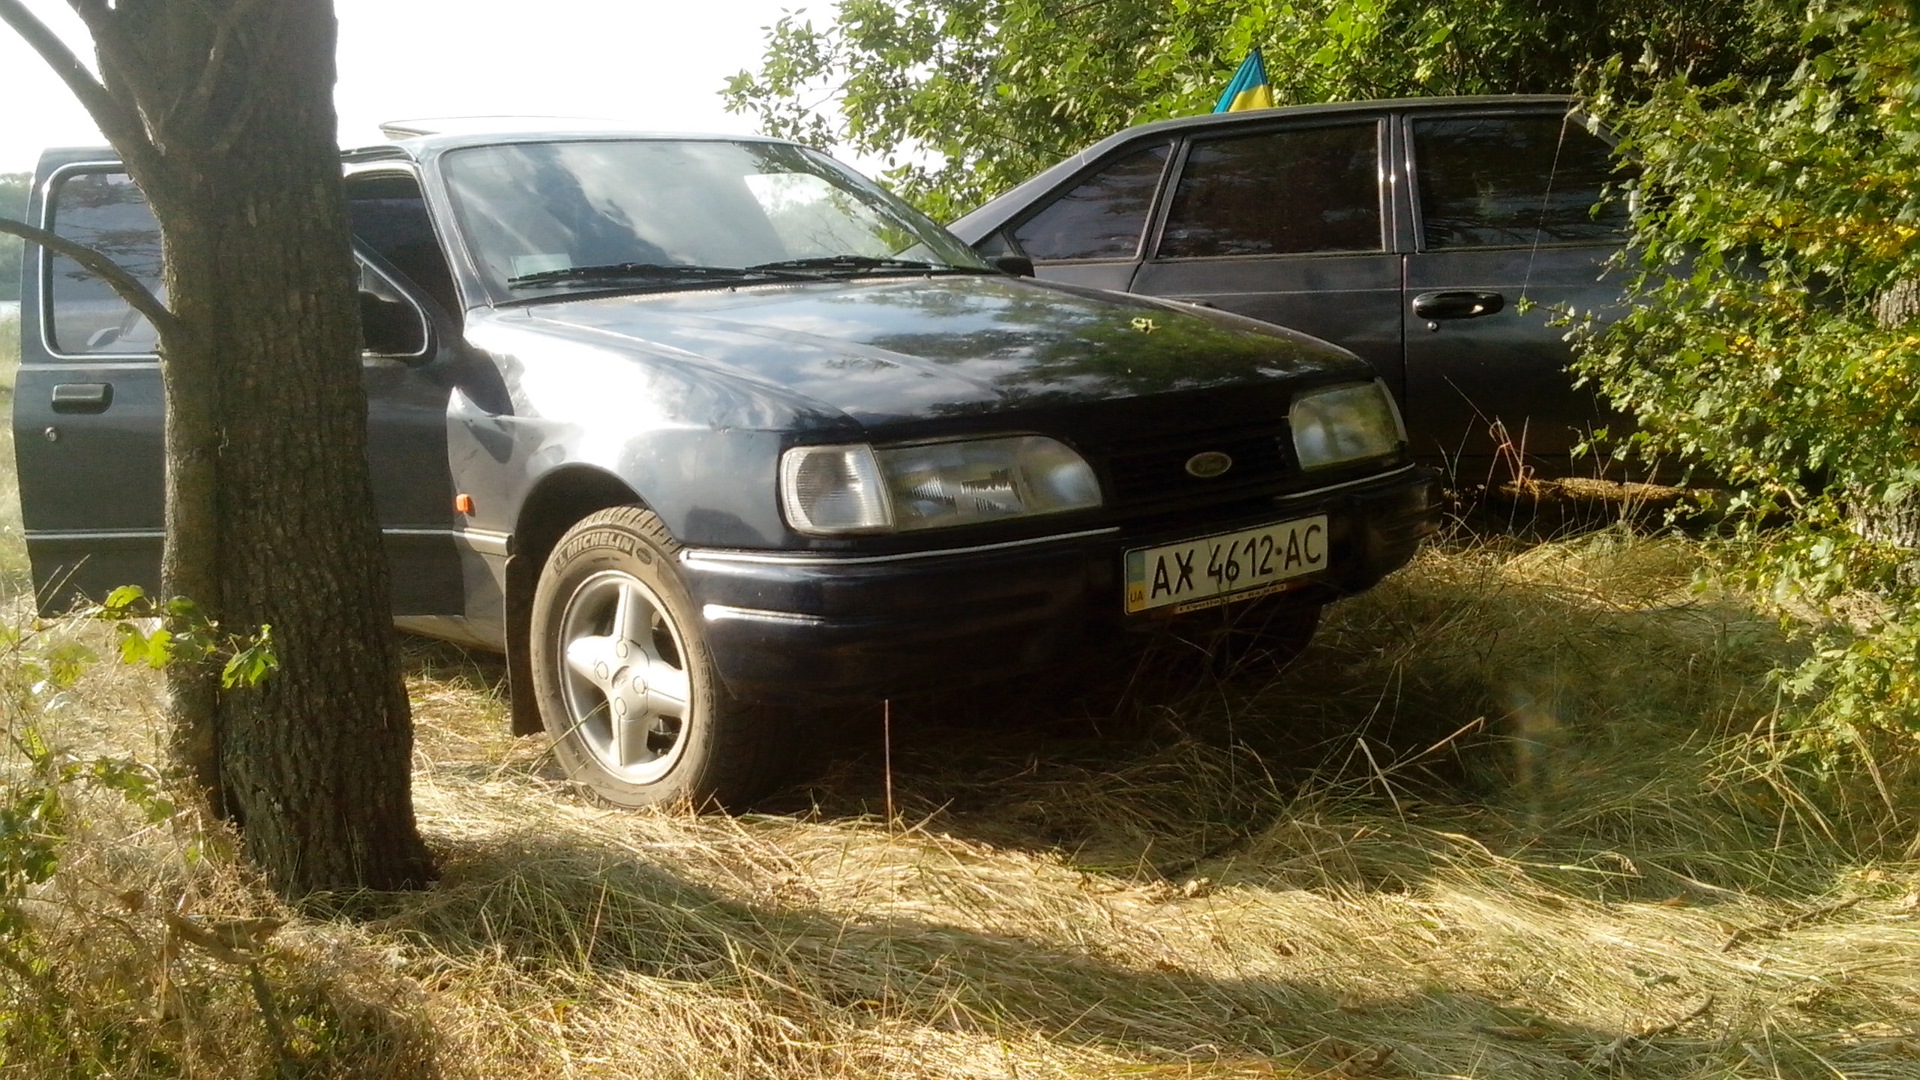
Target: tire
x=626 y=687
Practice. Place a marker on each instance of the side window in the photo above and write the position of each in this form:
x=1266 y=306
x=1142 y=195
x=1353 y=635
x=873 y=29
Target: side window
x=390 y=324
x=1503 y=181
x=1278 y=193
x=104 y=211
x=1102 y=217
x=389 y=216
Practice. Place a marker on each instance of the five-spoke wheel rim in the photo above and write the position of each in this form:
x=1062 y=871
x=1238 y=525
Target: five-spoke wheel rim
x=624 y=677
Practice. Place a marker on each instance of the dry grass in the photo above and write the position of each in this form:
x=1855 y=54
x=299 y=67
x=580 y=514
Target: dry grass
x=1504 y=820
x=13 y=551
x=9 y=349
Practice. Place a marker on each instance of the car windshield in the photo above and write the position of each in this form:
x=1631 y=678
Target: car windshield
x=541 y=218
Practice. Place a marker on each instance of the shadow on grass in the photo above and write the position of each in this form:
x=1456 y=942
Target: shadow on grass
x=526 y=898
x=1543 y=716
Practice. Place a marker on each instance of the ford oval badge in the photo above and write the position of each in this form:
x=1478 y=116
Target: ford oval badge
x=1208 y=464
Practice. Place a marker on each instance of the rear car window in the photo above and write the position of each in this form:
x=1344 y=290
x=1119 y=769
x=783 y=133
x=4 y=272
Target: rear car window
x=1505 y=181
x=1278 y=192
x=1101 y=217
x=106 y=212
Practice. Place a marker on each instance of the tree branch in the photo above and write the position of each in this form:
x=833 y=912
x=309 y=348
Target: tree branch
x=118 y=122
x=229 y=24
x=274 y=30
x=190 y=104
x=137 y=295
x=92 y=12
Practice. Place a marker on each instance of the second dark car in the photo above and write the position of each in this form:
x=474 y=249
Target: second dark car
x=1439 y=238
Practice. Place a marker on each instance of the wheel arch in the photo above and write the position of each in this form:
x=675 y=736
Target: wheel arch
x=557 y=501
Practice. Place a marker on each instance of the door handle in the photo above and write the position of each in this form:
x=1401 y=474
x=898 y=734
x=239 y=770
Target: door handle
x=83 y=397
x=1457 y=305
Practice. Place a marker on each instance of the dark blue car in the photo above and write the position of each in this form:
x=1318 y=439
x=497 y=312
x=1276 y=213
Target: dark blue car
x=700 y=430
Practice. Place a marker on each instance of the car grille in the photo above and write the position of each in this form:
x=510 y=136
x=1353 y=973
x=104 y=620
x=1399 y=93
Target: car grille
x=1156 y=472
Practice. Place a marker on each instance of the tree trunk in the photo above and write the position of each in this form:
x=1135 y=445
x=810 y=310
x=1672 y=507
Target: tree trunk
x=1891 y=521
x=270 y=518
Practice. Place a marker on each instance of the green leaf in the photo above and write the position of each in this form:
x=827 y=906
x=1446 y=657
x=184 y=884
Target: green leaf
x=155 y=649
x=123 y=598
x=67 y=661
x=252 y=664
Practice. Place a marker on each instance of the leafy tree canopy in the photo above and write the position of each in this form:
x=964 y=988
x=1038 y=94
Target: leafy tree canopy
x=991 y=91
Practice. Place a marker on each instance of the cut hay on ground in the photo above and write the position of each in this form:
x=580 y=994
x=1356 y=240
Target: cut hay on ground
x=1504 y=820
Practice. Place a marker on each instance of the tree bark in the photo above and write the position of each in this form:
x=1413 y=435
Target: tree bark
x=270 y=516
x=1892 y=521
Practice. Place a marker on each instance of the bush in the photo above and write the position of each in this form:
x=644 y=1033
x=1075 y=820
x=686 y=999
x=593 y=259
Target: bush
x=1773 y=337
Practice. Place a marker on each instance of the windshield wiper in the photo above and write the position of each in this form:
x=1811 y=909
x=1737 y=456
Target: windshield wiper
x=858 y=264
x=646 y=271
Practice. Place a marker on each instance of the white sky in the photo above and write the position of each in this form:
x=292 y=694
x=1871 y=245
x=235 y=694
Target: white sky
x=661 y=64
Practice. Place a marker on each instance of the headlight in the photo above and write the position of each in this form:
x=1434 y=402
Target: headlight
x=833 y=489
x=1345 y=423
x=858 y=488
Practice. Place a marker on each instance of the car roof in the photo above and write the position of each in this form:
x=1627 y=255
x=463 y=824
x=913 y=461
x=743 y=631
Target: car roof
x=416 y=140
x=975 y=225
x=1336 y=108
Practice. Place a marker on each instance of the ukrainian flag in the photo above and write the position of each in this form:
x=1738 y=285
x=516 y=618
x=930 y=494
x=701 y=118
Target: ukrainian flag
x=1249 y=88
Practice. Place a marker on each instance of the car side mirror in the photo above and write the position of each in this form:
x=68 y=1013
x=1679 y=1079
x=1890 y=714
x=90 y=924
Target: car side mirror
x=1017 y=265
x=390 y=327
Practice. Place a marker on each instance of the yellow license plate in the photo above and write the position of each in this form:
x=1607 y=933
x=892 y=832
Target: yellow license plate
x=1227 y=567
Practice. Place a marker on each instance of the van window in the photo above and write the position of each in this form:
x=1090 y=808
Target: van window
x=106 y=212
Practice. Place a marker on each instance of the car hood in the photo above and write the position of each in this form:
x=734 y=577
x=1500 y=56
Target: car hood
x=882 y=350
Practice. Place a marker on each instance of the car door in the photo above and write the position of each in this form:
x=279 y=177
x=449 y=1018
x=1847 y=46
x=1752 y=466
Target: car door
x=1511 y=234
x=406 y=369
x=87 y=405
x=89 y=411
x=1290 y=224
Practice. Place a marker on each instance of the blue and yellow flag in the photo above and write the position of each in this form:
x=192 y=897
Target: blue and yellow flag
x=1249 y=89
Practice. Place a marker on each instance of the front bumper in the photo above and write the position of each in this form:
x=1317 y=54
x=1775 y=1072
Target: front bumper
x=778 y=624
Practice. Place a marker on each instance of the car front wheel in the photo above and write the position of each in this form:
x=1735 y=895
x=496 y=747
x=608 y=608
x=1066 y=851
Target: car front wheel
x=627 y=690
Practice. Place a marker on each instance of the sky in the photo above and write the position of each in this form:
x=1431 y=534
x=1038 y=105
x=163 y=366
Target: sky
x=658 y=63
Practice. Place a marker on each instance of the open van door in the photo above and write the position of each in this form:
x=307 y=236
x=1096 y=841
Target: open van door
x=88 y=412
x=89 y=408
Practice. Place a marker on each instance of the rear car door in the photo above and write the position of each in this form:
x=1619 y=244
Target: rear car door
x=1510 y=234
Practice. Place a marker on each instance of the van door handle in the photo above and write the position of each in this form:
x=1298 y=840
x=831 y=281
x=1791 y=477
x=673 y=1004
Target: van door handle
x=83 y=397
x=1457 y=305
